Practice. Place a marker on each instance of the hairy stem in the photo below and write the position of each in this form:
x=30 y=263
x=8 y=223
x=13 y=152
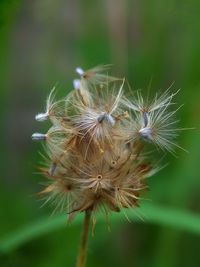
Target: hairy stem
x=81 y=259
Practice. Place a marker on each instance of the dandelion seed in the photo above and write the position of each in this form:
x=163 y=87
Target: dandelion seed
x=39 y=137
x=52 y=168
x=80 y=71
x=42 y=116
x=106 y=117
x=77 y=84
x=146 y=118
x=153 y=121
x=50 y=106
x=146 y=132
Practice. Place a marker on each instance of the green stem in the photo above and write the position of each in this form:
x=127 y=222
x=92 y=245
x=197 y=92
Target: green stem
x=81 y=259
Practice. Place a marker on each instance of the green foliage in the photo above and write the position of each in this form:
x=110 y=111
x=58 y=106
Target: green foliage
x=180 y=220
x=41 y=42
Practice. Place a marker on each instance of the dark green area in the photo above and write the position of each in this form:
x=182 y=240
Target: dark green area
x=41 y=43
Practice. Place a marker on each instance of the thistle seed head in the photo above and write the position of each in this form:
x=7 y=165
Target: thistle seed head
x=96 y=142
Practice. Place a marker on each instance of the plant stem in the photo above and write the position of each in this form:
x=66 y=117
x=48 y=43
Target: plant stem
x=81 y=259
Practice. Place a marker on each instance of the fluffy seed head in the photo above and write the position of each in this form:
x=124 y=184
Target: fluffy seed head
x=95 y=146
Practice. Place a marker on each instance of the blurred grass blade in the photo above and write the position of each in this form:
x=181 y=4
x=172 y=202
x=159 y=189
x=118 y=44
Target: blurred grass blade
x=179 y=220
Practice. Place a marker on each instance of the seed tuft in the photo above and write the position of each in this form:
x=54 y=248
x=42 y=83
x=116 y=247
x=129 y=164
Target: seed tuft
x=96 y=145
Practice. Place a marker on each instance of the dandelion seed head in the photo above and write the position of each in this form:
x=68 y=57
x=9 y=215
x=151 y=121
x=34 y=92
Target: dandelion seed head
x=95 y=146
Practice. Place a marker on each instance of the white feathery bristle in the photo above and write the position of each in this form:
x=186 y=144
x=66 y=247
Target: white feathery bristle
x=38 y=137
x=146 y=132
x=80 y=71
x=42 y=116
x=76 y=84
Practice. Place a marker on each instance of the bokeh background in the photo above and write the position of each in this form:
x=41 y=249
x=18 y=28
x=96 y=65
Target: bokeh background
x=41 y=43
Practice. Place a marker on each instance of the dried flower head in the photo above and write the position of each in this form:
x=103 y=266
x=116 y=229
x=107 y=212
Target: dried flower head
x=96 y=142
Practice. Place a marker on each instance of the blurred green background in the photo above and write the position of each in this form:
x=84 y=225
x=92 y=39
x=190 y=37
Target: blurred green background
x=41 y=43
